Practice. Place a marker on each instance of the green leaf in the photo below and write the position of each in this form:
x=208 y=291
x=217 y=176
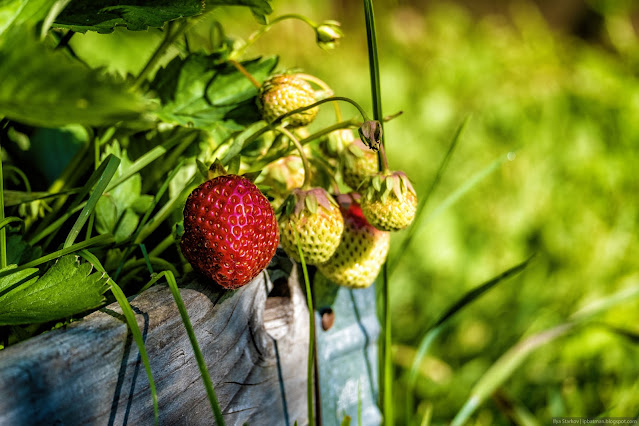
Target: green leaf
x=67 y=289
x=18 y=12
x=117 y=211
x=126 y=225
x=204 y=92
x=47 y=88
x=104 y=15
x=21 y=277
x=102 y=176
x=142 y=203
x=260 y=8
x=19 y=251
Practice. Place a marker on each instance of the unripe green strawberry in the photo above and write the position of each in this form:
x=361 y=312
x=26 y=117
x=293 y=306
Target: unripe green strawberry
x=282 y=176
x=333 y=145
x=389 y=202
x=362 y=251
x=315 y=216
x=285 y=93
x=230 y=230
x=358 y=164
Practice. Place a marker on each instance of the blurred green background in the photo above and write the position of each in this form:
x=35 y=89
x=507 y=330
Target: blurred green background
x=553 y=84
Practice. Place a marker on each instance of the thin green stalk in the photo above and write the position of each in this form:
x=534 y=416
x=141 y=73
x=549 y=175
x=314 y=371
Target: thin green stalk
x=3 y=231
x=311 y=337
x=388 y=354
x=376 y=88
x=385 y=383
x=435 y=330
x=406 y=242
x=506 y=365
x=263 y=162
x=323 y=101
x=167 y=209
x=206 y=378
x=133 y=326
x=95 y=241
x=257 y=34
x=105 y=172
x=305 y=163
x=162 y=245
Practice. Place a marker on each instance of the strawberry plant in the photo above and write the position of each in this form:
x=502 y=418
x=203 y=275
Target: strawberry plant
x=106 y=176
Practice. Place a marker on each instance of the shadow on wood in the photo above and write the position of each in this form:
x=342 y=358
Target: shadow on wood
x=91 y=372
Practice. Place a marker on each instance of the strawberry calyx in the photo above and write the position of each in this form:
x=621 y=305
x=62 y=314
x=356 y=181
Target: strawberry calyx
x=384 y=184
x=302 y=201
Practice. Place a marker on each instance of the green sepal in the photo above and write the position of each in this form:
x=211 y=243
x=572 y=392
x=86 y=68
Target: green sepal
x=377 y=182
x=201 y=167
x=311 y=203
x=216 y=169
x=252 y=176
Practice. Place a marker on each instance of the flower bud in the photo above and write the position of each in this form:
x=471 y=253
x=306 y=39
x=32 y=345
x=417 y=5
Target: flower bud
x=328 y=34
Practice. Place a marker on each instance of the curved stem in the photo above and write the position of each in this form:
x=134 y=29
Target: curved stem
x=326 y=88
x=259 y=33
x=320 y=102
x=305 y=163
x=244 y=72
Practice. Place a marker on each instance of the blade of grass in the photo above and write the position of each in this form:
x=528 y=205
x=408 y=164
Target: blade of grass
x=95 y=178
x=505 y=366
x=470 y=184
x=311 y=334
x=167 y=209
x=406 y=242
x=449 y=201
x=433 y=332
x=206 y=378
x=99 y=240
x=145 y=218
x=150 y=157
x=133 y=326
x=104 y=173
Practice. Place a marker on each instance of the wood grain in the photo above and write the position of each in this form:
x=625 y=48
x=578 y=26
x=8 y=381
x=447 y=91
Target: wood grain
x=90 y=373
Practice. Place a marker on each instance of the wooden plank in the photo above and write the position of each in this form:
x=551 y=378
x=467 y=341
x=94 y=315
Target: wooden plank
x=90 y=372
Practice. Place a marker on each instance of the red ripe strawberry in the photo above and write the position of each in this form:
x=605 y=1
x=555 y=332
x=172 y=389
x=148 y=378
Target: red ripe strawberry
x=230 y=230
x=285 y=93
x=389 y=201
x=362 y=251
x=316 y=218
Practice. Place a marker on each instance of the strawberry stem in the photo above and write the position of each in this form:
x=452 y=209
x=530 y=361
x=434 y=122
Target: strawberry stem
x=326 y=88
x=305 y=163
x=323 y=101
x=376 y=89
x=311 y=332
x=246 y=74
x=386 y=367
x=259 y=33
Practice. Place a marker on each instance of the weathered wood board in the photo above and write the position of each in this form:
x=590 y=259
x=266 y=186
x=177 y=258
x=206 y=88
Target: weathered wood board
x=90 y=373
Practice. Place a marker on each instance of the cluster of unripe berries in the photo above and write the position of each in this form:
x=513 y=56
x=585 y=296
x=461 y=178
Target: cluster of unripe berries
x=231 y=231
